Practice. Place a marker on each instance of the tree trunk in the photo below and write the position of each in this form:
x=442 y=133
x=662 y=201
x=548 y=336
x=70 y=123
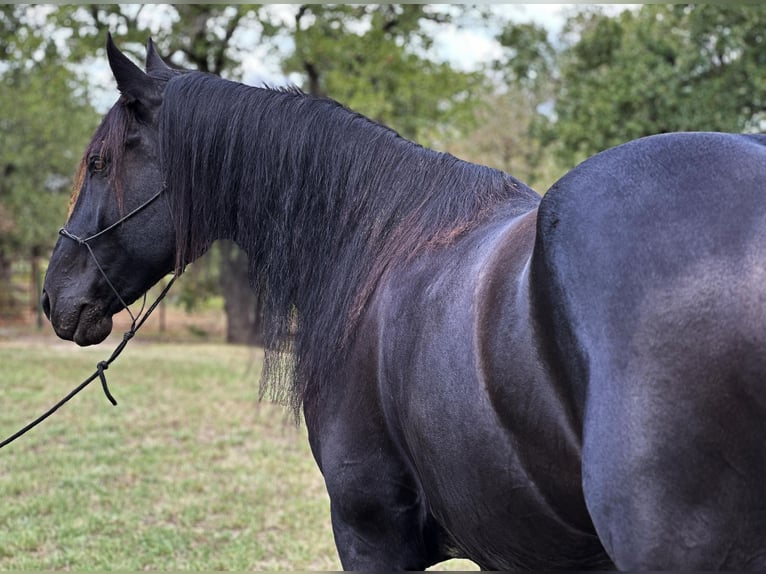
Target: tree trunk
x=7 y=307
x=243 y=311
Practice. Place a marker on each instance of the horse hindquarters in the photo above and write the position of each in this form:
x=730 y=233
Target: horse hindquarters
x=653 y=255
x=675 y=441
x=674 y=458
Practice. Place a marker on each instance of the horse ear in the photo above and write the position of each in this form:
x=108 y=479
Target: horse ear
x=132 y=82
x=155 y=65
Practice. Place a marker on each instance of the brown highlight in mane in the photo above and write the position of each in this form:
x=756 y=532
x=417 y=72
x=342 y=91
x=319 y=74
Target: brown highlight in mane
x=79 y=180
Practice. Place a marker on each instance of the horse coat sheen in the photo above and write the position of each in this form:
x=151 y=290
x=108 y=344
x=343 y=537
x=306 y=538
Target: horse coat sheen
x=576 y=381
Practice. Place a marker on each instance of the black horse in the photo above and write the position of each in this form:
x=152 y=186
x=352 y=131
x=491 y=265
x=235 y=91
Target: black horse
x=572 y=382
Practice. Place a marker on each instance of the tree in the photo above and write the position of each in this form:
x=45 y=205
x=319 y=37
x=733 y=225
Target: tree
x=528 y=62
x=45 y=120
x=658 y=69
x=508 y=137
x=374 y=59
x=511 y=130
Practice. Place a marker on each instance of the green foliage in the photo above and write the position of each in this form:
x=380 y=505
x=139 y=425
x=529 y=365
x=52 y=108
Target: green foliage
x=84 y=28
x=17 y=38
x=529 y=59
x=511 y=133
x=374 y=59
x=45 y=121
x=658 y=69
x=505 y=138
x=44 y=131
x=200 y=281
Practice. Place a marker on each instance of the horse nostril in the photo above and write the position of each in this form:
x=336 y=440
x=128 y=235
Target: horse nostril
x=46 y=303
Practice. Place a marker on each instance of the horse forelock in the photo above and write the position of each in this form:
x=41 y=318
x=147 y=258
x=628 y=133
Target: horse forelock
x=323 y=200
x=108 y=142
x=79 y=181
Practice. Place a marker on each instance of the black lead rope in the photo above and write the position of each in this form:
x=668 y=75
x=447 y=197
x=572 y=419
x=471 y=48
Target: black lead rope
x=136 y=323
x=98 y=374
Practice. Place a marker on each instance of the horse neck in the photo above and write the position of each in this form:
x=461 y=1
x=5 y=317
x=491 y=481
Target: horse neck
x=256 y=165
x=322 y=199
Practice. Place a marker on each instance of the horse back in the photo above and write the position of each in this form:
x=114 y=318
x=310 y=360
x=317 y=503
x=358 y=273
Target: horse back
x=650 y=260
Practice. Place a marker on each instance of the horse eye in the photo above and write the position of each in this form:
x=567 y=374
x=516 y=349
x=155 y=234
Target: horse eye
x=96 y=164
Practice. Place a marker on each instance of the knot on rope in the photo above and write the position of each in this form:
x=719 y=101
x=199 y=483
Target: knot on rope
x=63 y=231
x=100 y=368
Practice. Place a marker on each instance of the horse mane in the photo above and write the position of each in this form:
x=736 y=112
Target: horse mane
x=322 y=199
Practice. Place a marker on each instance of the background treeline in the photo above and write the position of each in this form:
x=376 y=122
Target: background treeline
x=544 y=104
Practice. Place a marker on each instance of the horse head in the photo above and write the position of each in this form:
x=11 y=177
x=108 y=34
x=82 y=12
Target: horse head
x=118 y=241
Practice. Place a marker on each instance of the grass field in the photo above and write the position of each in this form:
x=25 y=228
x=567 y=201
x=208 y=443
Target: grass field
x=188 y=472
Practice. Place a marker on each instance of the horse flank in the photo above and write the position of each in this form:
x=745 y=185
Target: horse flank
x=253 y=165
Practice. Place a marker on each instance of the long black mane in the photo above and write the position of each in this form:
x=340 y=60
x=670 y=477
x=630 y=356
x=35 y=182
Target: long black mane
x=322 y=199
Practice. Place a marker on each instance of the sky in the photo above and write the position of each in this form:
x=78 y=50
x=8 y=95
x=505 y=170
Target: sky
x=466 y=48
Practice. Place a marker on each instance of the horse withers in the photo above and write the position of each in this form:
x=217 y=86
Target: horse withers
x=576 y=381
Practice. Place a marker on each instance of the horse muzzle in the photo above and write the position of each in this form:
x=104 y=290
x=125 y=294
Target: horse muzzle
x=82 y=322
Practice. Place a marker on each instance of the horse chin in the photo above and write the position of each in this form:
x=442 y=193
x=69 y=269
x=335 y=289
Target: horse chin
x=92 y=332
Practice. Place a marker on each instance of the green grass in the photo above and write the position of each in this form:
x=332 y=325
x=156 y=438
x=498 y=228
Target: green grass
x=188 y=472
